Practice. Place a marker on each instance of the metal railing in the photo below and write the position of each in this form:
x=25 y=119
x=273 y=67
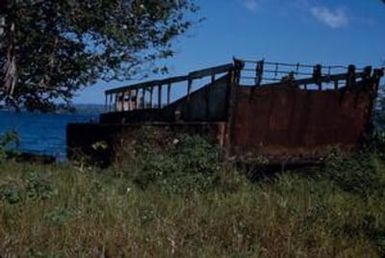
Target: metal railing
x=247 y=72
x=258 y=73
x=141 y=95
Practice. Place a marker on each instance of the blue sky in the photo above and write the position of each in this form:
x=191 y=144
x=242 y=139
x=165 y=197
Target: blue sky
x=305 y=31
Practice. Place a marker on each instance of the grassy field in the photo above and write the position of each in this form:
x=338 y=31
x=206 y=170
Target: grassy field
x=182 y=201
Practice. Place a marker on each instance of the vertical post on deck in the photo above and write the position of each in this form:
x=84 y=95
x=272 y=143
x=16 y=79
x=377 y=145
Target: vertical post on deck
x=212 y=77
x=137 y=99
x=231 y=102
x=122 y=100
x=168 y=93
x=368 y=72
x=189 y=85
x=143 y=98
x=259 y=72
x=106 y=102
x=317 y=74
x=111 y=101
x=336 y=84
x=351 y=80
x=129 y=103
x=151 y=96
x=160 y=96
x=207 y=95
x=375 y=81
x=116 y=102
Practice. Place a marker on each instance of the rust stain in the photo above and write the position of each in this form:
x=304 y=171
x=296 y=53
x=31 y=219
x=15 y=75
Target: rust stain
x=285 y=122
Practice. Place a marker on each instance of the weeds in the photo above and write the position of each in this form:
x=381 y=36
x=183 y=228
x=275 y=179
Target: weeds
x=176 y=198
x=176 y=163
x=32 y=187
x=8 y=145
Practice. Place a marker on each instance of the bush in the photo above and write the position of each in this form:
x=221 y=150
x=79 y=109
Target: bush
x=177 y=163
x=8 y=145
x=33 y=187
x=361 y=173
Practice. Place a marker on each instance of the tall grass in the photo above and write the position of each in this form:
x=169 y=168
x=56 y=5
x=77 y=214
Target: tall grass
x=181 y=200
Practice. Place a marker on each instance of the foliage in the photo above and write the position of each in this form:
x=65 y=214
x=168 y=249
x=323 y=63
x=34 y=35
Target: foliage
x=378 y=143
x=179 y=163
x=8 y=143
x=361 y=174
x=59 y=216
x=32 y=187
x=50 y=49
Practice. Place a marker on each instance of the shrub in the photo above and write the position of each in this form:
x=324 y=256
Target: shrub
x=175 y=162
x=33 y=187
x=361 y=173
x=59 y=216
x=38 y=187
x=11 y=193
x=8 y=145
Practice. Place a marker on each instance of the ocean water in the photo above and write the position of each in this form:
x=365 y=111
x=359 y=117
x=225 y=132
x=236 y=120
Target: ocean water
x=41 y=133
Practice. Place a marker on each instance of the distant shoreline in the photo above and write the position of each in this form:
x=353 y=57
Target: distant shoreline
x=79 y=109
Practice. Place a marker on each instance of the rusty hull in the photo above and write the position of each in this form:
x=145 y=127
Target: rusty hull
x=285 y=122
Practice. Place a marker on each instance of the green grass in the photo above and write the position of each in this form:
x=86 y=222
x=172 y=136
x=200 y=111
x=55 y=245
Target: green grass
x=75 y=211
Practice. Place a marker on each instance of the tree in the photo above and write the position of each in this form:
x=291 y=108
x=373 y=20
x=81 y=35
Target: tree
x=51 y=48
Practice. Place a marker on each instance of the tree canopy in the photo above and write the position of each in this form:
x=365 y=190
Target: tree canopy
x=51 y=48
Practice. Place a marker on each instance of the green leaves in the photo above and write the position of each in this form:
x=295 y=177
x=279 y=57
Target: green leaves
x=177 y=163
x=62 y=46
x=34 y=187
x=8 y=144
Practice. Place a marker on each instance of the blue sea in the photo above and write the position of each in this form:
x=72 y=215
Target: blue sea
x=41 y=133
